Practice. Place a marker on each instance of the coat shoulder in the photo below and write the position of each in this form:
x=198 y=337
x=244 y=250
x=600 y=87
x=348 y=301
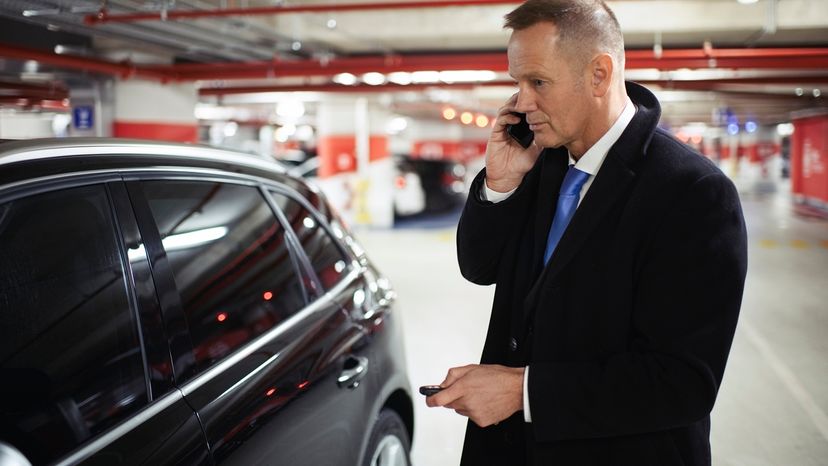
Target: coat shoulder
x=670 y=158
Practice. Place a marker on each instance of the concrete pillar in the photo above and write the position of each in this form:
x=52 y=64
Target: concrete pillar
x=355 y=167
x=92 y=109
x=151 y=110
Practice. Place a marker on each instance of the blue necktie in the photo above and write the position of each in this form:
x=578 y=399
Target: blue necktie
x=567 y=203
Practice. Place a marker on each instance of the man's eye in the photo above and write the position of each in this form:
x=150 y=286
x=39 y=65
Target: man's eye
x=538 y=82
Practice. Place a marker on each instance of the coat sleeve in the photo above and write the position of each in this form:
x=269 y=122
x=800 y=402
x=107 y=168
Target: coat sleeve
x=686 y=306
x=485 y=228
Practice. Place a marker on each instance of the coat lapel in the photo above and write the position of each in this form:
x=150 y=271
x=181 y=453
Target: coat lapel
x=606 y=189
x=553 y=170
x=614 y=178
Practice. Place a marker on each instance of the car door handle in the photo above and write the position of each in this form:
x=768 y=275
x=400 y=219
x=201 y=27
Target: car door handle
x=356 y=367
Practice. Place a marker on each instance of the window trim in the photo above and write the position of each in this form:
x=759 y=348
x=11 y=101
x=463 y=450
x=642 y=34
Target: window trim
x=323 y=303
x=39 y=186
x=96 y=444
x=172 y=309
x=320 y=220
x=129 y=284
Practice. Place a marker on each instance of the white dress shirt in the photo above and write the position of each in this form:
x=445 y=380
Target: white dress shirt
x=590 y=163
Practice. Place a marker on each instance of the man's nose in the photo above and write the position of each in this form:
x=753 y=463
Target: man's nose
x=525 y=102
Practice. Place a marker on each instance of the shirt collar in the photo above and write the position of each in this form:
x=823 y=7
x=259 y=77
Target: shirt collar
x=594 y=157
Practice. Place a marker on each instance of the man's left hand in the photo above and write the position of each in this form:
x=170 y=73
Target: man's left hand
x=486 y=394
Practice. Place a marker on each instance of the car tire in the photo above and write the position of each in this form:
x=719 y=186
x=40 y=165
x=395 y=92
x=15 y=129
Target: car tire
x=389 y=444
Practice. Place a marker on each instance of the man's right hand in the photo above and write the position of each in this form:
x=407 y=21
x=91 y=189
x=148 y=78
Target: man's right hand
x=507 y=161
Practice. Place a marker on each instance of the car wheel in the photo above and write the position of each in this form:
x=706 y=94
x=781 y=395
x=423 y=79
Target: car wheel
x=388 y=444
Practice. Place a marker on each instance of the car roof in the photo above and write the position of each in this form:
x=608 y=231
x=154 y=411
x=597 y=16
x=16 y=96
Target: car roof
x=31 y=149
x=26 y=159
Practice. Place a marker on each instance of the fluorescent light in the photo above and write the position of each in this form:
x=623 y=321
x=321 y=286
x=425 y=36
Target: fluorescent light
x=346 y=79
x=747 y=2
x=425 y=77
x=467 y=76
x=373 y=78
x=400 y=77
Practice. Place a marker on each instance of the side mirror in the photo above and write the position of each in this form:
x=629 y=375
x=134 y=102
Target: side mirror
x=10 y=456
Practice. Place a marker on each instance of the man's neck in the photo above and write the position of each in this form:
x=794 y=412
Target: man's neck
x=609 y=113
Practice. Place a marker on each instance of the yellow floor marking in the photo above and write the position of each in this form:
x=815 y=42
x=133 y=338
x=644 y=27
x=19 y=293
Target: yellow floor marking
x=446 y=237
x=768 y=243
x=799 y=244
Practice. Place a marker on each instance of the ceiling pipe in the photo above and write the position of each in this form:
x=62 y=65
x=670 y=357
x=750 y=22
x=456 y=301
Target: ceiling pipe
x=702 y=84
x=494 y=62
x=103 y=16
x=814 y=58
x=342 y=88
x=124 y=70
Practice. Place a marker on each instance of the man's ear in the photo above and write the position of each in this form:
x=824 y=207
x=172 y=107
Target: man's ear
x=601 y=69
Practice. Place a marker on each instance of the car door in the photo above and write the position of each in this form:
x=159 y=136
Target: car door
x=263 y=363
x=86 y=372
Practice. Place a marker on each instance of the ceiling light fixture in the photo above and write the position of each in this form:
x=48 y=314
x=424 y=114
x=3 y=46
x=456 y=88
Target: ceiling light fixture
x=346 y=79
x=373 y=78
x=466 y=118
x=747 y=2
x=400 y=77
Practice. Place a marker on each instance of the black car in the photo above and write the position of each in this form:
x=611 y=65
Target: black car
x=173 y=304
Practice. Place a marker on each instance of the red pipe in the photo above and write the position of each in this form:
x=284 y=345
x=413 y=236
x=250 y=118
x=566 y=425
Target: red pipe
x=104 y=17
x=493 y=62
x=341 y=88
x=124 y=70
x=671 y=54
x=812 y=58
x=704 y=84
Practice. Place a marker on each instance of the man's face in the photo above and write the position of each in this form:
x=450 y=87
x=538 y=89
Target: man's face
x=552 y=89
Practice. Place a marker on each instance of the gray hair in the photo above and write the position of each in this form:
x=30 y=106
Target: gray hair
x=584 y=27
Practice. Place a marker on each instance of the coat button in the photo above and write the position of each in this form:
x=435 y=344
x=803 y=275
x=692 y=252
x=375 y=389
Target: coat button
x=513 y=345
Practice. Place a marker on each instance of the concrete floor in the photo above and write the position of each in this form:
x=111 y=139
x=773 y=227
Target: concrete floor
x=772 y=405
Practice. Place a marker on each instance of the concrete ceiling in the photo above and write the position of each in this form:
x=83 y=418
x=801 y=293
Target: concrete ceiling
x=703 y=26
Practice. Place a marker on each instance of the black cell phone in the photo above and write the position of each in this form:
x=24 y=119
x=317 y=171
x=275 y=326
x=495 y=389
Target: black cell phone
x=429 y=390
x=521 y=132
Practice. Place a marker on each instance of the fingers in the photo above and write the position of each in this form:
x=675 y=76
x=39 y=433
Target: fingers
x=445 y=397
x=505 y=115
x=451 y=390
x=455 y=373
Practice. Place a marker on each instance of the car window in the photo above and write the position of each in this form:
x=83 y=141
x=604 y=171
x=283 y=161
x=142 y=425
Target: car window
x=70 y=355
x=229 y=259
x=328 y=261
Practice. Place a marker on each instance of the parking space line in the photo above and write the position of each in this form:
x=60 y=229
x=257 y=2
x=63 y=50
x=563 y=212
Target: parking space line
x=788 y=378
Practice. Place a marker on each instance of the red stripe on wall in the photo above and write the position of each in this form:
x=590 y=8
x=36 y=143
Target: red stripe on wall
x=174 y=132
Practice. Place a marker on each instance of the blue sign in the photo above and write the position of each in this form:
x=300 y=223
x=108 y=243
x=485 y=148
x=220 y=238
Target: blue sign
x=83 y=117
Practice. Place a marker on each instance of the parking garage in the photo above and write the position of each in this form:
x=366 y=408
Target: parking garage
x=375 y=118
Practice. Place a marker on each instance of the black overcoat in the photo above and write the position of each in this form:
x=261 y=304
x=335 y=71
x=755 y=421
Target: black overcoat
x=627 y=330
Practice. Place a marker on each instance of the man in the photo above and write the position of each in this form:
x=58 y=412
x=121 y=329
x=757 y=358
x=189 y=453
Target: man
x=611 y=327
